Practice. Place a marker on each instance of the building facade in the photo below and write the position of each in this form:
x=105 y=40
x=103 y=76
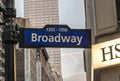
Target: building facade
x=102 y=17
x=42 y=12
x=25 y=58
x=47 y=74
x=31 y=59
x=33 y=64
x=42 y=70
x=26 y=65
x=55 y=59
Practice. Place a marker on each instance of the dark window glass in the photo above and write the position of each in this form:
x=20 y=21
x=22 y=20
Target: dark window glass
x=118 y=9
x=118 y=12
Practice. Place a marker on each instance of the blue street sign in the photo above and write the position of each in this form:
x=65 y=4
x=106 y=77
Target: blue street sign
x=55 y=36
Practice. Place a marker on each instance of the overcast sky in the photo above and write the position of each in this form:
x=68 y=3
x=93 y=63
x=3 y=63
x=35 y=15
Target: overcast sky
x=19 y=5
x=71 y=12
x=73 y=65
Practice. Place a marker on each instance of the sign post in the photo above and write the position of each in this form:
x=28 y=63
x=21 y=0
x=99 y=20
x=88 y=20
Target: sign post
x=9 y=38
x=55 y=36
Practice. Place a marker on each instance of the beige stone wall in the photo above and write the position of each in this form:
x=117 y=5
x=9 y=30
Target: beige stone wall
x=105 y=16
x=110 y=74
x=101 y=18
x=20 y=65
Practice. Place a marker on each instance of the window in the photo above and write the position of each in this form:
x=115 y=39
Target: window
x=51 y=55
x=57 y=59
x=57 y=56
x=118 y=12
x=57 y=52
x=57 y=62
x=52 y=59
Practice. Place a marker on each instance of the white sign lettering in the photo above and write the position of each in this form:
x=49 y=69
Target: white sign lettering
x=58 y=38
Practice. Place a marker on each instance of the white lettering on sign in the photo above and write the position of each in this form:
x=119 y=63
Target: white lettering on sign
x=57 y=38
